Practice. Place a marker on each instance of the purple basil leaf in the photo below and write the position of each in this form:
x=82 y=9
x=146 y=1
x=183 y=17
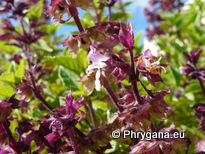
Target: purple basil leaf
x=126 y=36
x=52 y=137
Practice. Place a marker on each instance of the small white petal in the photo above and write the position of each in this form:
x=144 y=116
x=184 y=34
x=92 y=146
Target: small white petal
x=91 y=68
x=164 y=69
x=157 y=62
x=97 y=80
x=79 y=44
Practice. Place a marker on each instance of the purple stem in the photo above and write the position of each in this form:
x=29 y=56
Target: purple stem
x=96 y=13
x=202 y=86
x=90 y=107
x=111 y=94
x=26 y=46
x=79 y=132
x=188 y=145
x=27 y=54
x=153 y=128
x=119 y=85
x=109 y=13
x=20 y=20
x=200 y=81
x=83 y=136
x=133 y=80
x=73 y=140
x=55 y=148
x=12 y=142
x=101 y=12
x=38 y=95
x=149 y=92
x=74 y=13
x=43 y=101
x=121 y=7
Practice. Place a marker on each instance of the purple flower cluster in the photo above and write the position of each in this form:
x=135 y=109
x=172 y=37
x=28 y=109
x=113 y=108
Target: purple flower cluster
x=17 y=10
x=60 y=123
x=190 y=69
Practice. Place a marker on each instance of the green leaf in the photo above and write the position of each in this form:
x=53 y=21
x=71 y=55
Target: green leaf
x=61 y=100
x=37 y=114
x=8 y=77
x=35 y=11
x=69 y=78
x=190 y=96
x=11 y=67
x=194 y=36
x=185 y=20
x=12 y=127
x=42 y=45
x=125 y=83
x=177 y=47
x=164 y=26
x=118 y=15
x=8 y=48
x=54 y=103
x=6 y=90
x=71 y=22
x=115 y=146
x=193 y=87
x=127 y=3
x=77 y=64
x=20 y=71
x=176 y=75
x=137 y=39
x=99 y=104
x=167 y=16
x=49 y=28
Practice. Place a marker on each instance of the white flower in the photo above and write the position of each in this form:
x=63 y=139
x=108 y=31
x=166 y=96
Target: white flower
x=97 y=63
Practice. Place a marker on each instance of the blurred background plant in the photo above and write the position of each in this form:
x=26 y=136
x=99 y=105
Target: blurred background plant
x=181 y=31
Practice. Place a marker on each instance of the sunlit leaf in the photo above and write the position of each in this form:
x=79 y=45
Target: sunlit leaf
x=77 y=64
x=176 y=75
x=69 y=78
x=8 y=77
x=6 y=90
x=35 y=11
x=21 y=69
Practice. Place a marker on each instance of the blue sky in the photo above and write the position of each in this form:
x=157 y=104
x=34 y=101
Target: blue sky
x=138 y=19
